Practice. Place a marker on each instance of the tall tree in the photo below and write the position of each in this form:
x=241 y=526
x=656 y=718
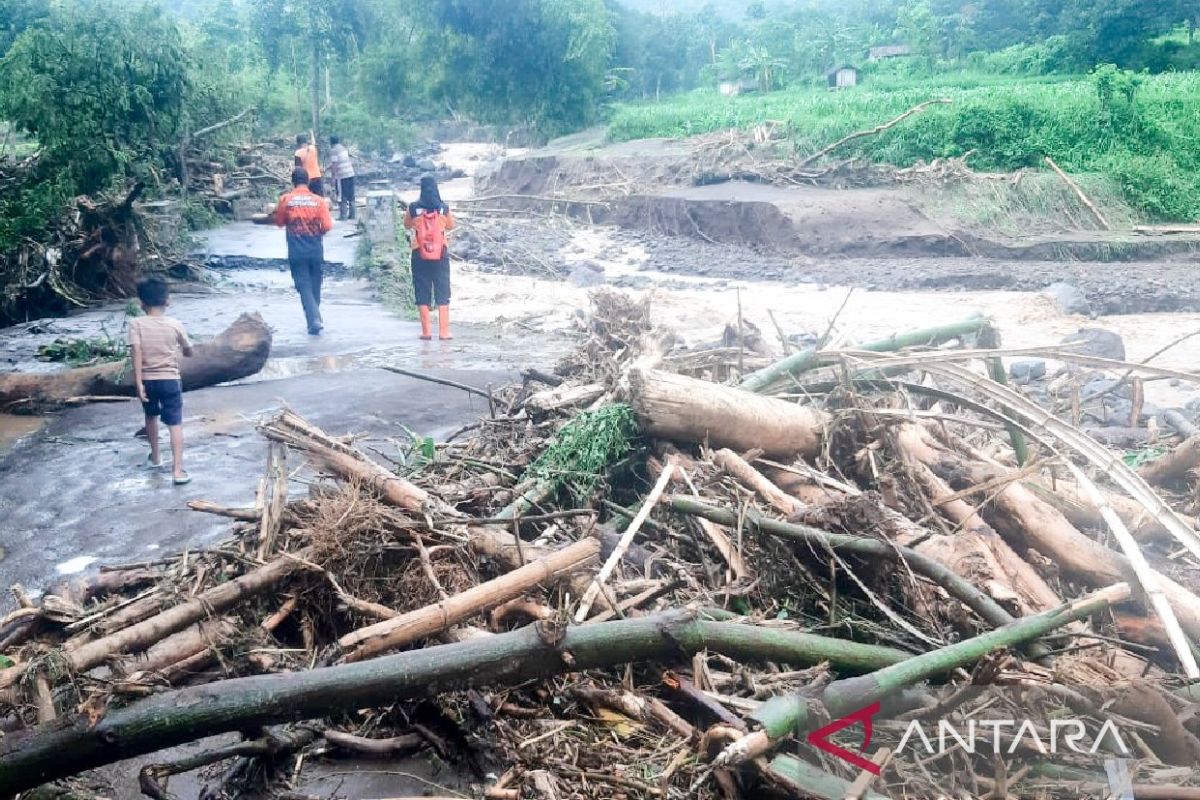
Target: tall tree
x=321 y=28
x=103 y=92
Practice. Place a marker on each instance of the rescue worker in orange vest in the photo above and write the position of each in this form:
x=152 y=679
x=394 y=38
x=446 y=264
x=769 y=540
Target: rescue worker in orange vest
x=429 y=218
x=306 y=217
x=306 y=159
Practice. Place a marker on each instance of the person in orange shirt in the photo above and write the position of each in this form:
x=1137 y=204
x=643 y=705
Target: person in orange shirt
x=429 y=219
x=306 y=158
x=306 y=217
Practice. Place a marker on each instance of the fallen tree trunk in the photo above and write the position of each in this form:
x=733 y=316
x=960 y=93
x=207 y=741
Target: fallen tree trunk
x=139 y=637
x=1078 y=508
x=1177 y=468
x=538 y=651
x=976 y=551
x=684 y=409
x=1022 y=515
x=240 y=351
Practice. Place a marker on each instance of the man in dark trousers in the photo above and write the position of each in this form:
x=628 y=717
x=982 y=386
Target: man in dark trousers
x=306 y=217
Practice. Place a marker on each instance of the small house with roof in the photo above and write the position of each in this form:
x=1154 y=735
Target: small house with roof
x=842 y=77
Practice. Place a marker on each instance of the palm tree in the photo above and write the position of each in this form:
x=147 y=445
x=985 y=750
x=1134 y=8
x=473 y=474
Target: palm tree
x=764 y=66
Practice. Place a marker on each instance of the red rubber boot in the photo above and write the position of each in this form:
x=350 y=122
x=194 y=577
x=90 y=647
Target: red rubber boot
x=426 y=323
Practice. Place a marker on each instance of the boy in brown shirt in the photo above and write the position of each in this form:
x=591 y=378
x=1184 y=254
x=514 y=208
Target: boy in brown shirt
x=157 y=341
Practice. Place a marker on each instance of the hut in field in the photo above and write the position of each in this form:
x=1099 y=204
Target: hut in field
x=842 y=77
x=889 y=51
x=740 y=86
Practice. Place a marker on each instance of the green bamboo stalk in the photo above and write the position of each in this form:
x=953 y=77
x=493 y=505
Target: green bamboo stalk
x=793 y=713
x=810 y=781
x=538 y=651
x=767 y=378
x=1015 y=434
x=540 y=492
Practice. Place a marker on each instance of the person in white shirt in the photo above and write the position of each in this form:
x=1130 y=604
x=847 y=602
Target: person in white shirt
x=341 y=169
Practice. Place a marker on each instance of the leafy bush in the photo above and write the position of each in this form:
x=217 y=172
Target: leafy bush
x=1156 y=184
x=371 y=134
x=103 y=92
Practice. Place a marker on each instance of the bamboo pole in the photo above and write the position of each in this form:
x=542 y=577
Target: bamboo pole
x=766 y=379
x=614 y=558
x=1147 y=577
x=799 y=712
x=185 y=715
x=138 y=637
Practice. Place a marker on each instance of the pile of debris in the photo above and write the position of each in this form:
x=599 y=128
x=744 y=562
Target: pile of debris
x=877 y=534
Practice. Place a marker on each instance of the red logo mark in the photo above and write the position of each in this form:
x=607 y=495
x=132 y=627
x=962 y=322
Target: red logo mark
x=820 y=737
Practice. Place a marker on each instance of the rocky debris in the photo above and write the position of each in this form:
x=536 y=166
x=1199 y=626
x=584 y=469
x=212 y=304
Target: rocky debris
x=407 y=169
x=1098 y=342
x=587 y=275
x=1069 y=298
x=1027 y=371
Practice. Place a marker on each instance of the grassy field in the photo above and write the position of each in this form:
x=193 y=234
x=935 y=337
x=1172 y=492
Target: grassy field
x=1149 y=148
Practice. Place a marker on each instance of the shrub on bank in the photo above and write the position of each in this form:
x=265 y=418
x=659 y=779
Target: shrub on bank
x=1139 y=131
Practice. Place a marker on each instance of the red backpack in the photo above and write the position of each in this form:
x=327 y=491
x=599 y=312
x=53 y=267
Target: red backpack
x=431 y=236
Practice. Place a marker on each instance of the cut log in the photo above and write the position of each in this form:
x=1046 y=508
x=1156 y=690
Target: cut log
x=137 y=638
x=1177 y=469
x=689 y=410
x=754 y=480
x=538 y=651
x=240 y=351
x=1024 y=518
x=564 y=397
x=424 y=622
x=183 y=645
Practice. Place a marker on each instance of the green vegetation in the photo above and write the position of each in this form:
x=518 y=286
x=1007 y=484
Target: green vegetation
x=585 y=447
x=84 y=352
x=1137 y=131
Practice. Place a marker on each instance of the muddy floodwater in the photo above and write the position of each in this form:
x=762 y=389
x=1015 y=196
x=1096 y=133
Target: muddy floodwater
x=74 y=490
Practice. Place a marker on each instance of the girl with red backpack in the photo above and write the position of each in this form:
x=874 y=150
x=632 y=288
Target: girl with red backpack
x=429 y=219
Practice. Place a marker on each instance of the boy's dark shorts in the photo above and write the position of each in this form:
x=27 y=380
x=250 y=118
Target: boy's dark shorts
x=164 y=399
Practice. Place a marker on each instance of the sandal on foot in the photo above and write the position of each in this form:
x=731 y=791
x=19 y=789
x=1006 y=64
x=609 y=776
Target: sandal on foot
x=152 y=464
x=182 y=480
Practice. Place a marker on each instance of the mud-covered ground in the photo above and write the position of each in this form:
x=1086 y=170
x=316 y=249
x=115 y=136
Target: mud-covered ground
x=74 y=490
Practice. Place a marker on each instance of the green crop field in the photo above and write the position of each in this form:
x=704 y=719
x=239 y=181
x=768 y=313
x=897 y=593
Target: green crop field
x=1143 y=133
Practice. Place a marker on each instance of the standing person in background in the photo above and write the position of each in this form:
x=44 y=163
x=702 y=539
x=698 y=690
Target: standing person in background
x=341 y=170
x=306 y=158
x=429 y=219
x=306 y=218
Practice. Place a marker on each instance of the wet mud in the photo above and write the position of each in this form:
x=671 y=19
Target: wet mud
x=74 y=489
